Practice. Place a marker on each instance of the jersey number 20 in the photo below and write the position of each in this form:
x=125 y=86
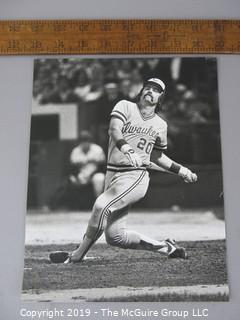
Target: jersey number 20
x=142 y=144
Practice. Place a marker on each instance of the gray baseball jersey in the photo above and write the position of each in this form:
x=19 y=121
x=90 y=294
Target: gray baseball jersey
x=142 y=133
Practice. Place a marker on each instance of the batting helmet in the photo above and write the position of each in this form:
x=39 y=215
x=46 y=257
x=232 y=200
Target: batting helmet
x=157 y=83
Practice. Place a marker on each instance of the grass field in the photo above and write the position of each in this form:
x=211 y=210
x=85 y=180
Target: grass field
x=115 y=267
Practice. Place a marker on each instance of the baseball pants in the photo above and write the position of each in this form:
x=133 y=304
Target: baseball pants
x=110 y=213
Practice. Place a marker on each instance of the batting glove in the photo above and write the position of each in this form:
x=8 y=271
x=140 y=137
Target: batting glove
x=134 y=159
x=187 y=175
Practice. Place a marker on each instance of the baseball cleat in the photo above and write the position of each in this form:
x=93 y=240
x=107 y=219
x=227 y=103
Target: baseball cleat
x=84 y=259
x=70 y=260
x=59 y=256
x=174 y=251
x=62 y=257
x=180 y=252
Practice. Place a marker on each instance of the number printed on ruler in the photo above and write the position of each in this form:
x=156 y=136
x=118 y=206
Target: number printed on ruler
x=119 y=36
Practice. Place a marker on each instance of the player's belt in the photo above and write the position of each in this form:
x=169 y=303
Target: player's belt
x=123 y=167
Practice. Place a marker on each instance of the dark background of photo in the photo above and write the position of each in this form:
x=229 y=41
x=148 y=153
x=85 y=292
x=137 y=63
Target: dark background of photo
x=94 y=86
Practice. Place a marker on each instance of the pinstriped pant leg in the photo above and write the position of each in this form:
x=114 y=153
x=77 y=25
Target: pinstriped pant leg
x=123 y=189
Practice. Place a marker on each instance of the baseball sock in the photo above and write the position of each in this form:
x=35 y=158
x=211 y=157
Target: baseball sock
x=140 y=242
x=90 y=237
x=129 y=239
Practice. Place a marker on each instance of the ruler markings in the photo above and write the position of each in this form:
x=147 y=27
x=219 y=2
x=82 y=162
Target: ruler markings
x=119 y=36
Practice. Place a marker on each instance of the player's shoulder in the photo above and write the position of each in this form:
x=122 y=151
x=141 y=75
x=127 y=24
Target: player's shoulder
x=161 y=120
x=125 y=106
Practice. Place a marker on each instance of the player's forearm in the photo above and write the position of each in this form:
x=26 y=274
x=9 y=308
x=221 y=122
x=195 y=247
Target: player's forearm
x=168 y=164
x=115 y=133
x=176 y=168
x=165 y=162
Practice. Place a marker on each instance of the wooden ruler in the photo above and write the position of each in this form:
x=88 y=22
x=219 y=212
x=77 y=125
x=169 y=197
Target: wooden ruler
x=24 y=37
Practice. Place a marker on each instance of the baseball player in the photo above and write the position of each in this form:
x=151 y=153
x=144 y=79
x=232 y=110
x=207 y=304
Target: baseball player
x=87 y=160
x=135 y=130
x=87 y=157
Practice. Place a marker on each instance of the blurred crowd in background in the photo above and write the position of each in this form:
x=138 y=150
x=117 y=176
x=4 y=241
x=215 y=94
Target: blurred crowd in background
x=191 y=84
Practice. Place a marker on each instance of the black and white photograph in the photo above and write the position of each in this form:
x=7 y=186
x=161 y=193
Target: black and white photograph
x=125 y=198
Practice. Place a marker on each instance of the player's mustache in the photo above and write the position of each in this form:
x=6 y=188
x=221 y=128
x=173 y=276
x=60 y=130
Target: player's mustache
x=148 y=94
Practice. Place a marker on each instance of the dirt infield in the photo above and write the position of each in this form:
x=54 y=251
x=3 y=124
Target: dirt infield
x=125 y=268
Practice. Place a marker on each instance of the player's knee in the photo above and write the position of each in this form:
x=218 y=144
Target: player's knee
x=100 y=208
x=116 y=240
x=112 y=240
x=98 y=205
x=98 y=217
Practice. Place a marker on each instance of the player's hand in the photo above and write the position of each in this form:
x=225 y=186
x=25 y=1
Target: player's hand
x=134 y=159
x=187 y=175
